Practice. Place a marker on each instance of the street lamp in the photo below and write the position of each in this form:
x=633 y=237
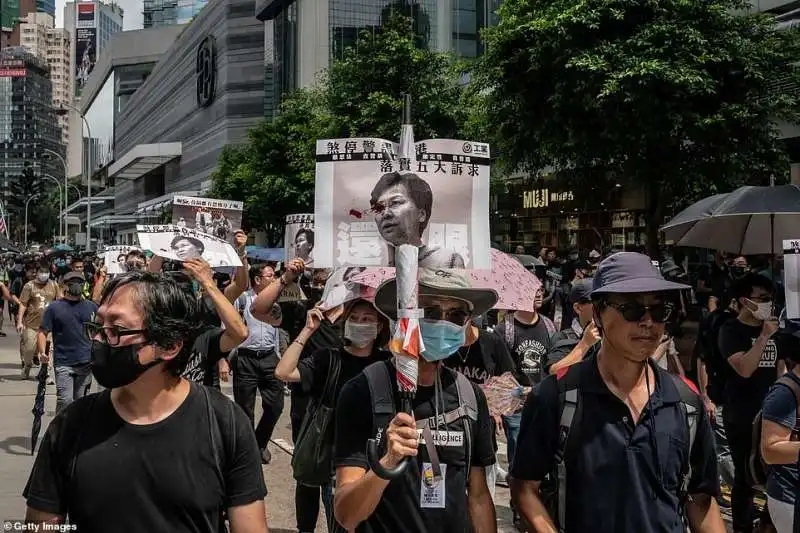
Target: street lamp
x=84 y=171
x=27 y=202
x=64 y=163
x=60 y=195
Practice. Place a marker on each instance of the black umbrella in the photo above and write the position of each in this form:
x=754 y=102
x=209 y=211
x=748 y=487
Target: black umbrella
x=38 y=405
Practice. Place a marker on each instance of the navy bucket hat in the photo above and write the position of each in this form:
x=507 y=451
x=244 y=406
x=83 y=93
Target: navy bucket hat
x=630 y=273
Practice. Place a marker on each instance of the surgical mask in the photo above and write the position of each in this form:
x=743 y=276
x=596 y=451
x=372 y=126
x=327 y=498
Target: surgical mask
x=75 y=289
x=43 y=277
x=441 y=338
x=360 y=335
x=117 y=366
x=763 y=310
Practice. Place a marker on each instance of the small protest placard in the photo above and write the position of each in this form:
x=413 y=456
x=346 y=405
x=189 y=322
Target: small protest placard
x=298 y=239
x=219 y=218
x=114 y=258
x=791 y=283
x=179 y=244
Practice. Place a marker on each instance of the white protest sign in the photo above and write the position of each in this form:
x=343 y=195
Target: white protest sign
x=298 y=239
x=209 y=215
x=179 y=244
x=791 y=273
x=114 y=258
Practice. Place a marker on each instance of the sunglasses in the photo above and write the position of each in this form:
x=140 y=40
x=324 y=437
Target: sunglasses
x=635 y=312
x=110 y=335
x=456 y=316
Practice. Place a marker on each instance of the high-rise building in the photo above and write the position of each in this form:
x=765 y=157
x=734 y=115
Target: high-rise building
x=46 y=6
x=159 y=13
x=91 y=25
x=41 y=38
x=28 y=123
x=302 y=36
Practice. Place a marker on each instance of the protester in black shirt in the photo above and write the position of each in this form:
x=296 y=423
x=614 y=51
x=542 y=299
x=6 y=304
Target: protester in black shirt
x=571 y=345
x=747 y=344
x=581 y=269
x=417 y=500
x=153 y=452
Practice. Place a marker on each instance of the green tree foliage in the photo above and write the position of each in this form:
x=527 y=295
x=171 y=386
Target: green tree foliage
x=360 y=95
x=42 y=211
x=675 y=94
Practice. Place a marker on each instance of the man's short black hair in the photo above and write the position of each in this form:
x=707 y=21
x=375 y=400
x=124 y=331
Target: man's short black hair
x=137 y=254
x=418 y=189
x=743 y=288
x=309 y=233
x=171 y=316
x=256 y=271
x=197 y=243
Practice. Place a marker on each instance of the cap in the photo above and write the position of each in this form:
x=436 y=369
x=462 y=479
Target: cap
x=448 y=283
x=70 y=276
x=630 y=273
x=581 y=291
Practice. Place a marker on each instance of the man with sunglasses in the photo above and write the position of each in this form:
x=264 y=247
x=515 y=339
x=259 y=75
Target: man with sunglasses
x=153 y=452
x=748 y=345
x=614 y=444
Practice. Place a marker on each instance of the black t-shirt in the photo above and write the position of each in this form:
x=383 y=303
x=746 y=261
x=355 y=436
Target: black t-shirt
x=326 y=336
x=484 y=358
x=399 y=510
x=108 y=475
x=314 y=370
x=744 y=396
x=530 y=349
x=202 y=365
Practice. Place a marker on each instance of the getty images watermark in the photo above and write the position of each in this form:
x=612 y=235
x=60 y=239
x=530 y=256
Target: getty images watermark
x=21 y=525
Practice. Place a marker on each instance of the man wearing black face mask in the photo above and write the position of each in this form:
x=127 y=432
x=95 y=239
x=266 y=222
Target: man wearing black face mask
x=64 y=318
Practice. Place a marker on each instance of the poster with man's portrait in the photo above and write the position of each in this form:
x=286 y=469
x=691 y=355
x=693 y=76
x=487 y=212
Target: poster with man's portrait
x=179 y=244
x=219 y=218
x=298 y=239
x=114 y=258
x=368 y=201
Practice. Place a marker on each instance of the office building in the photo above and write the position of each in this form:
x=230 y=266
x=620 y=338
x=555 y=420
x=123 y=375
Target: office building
x=91 y=26
x=42 y=39
x=46 y=6
x=28 y=124
x=302 y=36
x=158 y=13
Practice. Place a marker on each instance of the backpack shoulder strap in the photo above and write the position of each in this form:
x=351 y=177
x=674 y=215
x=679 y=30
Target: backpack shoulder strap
x=551 y=327
x=692 y=406
x=468 y=410
x=334 y=369
x=382 y=396
x=793 y=386
x=569 y=407
x=221 y=421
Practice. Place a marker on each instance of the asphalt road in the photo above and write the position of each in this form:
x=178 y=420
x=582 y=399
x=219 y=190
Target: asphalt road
x=16 y=401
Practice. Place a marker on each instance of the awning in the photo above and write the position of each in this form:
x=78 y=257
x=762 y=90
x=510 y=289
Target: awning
x=142 y=159
x=81 y=203
x=153 y=207
x=112 y=220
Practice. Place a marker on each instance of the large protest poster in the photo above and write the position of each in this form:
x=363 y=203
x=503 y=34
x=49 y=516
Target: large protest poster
x=114 y=258
x=219 y=218
x=298 y=239
x=368 y=201
x=180 y=244
x=791 y=274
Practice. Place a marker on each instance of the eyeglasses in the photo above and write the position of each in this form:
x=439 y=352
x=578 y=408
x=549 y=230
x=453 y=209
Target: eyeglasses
x=635 y=312
x=111 y=335
x=456 y=316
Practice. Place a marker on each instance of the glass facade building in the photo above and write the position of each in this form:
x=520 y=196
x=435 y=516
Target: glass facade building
x=168 y=12
x=46 y=6
x=28 y=123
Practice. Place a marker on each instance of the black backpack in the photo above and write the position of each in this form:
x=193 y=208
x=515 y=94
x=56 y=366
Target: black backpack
x=383 y=407
x=553 y=490
x=757 y=469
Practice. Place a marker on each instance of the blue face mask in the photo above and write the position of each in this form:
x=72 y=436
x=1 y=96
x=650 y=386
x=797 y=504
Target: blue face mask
x=442 y=339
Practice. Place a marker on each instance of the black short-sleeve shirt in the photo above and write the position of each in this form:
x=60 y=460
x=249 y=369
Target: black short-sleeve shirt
x=613 y=481
x=744 y=396
x=314 y=370
x=108 y=475
x=399 y=510
x=486 y=357
x=206 y=353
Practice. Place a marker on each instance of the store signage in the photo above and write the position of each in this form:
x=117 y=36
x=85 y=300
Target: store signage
x=206 y=72
x=12 y=69
x=539 y=198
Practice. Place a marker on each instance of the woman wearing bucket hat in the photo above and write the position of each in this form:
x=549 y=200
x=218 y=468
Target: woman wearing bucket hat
x=445 y=488
x=614 y=444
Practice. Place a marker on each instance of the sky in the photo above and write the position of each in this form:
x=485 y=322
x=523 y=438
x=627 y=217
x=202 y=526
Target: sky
x=132 y=19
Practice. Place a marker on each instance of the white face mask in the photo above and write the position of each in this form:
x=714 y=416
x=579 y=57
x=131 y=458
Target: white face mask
x=360 y=335
x=763 y=310
x=43 y=277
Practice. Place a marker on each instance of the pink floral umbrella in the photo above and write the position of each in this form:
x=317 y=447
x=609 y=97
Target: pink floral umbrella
x=515 y=285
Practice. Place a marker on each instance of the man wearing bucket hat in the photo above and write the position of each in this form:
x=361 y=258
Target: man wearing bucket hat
x=614 y=444
x=444 y=486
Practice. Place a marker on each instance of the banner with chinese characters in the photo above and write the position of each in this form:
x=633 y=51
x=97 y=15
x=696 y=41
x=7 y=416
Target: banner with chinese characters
x=180 y=244
x=298 y=238
x=368 y=201
x=219 y=218
x=791 y=277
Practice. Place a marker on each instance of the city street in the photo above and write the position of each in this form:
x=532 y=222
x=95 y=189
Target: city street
x=16 y=401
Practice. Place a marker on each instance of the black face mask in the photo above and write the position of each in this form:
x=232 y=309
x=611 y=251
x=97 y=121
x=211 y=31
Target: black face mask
x=117 y=366
x=738 y=272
